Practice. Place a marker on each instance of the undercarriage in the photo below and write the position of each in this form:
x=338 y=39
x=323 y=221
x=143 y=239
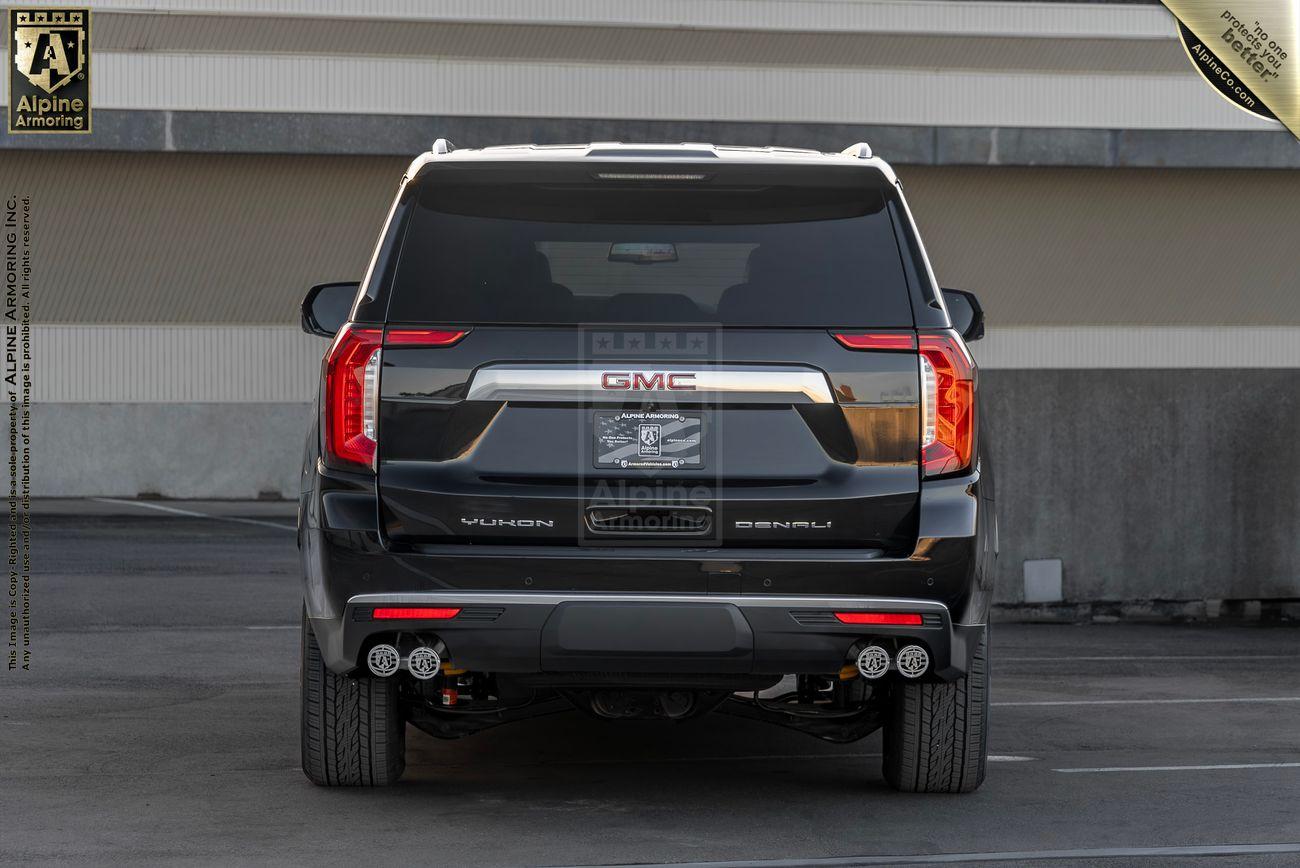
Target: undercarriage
x=840 y=708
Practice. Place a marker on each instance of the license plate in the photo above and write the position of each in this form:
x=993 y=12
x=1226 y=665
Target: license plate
x=648 y=439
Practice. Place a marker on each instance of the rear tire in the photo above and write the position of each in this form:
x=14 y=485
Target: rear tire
x=936 y=737
x=353 y=734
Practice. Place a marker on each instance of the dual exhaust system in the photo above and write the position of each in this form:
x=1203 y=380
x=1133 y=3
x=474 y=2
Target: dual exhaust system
x=874 y=661
x=422 y=661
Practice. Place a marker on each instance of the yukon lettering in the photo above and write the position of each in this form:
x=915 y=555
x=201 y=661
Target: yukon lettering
x=507 y=522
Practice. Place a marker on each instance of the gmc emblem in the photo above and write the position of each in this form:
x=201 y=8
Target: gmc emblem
x=647 y=381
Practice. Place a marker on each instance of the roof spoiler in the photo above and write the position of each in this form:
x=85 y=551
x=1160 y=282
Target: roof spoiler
x=860 y=150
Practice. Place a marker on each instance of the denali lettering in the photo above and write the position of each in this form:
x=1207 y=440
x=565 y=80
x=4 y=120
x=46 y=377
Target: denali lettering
x=783 y=525
x=647 y=381
x=507 y=522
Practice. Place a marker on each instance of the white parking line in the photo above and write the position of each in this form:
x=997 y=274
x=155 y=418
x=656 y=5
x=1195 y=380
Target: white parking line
x=1048 y=702
x=740 y=758
x=1151 y=657
x=1208 y=768
x=193 y=514
x=1089 y=854
x=273 y=627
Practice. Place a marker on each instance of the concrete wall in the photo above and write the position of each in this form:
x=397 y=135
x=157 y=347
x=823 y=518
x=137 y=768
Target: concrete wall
x=1148 y=484
x=208 y=450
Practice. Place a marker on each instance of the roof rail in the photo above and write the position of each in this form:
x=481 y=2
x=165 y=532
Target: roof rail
x=442 y=146
x=861 y=150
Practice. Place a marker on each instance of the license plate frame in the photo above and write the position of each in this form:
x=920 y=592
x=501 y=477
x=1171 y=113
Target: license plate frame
x=648 y=440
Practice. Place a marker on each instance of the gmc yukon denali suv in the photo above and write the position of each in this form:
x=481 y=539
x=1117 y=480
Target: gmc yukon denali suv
x=650 y=432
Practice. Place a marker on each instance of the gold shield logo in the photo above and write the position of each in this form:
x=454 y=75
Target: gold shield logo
x=50 y=47
x=49 y=71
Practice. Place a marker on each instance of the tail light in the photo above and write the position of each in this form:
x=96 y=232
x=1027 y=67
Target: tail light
x=352 y=396
x=947 y=404
x=352 y=386
x=423 y=337
x=877 y=340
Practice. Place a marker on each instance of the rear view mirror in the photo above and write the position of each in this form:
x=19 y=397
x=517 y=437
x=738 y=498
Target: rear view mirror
x=966 y=314
x=326 y=308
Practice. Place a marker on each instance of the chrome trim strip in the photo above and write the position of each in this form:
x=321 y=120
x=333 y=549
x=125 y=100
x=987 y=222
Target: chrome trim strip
x=758 y=384
x=489 y=598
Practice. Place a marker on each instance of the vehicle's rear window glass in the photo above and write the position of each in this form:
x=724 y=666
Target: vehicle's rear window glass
x=822 y=256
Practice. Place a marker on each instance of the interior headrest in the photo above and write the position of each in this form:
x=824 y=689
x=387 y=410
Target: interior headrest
x=531 y=267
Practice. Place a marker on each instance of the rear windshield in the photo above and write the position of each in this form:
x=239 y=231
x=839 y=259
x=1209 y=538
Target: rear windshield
x=819 y=256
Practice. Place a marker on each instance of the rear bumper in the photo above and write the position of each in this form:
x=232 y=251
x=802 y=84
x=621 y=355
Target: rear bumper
x=646 y=633
x=349 y=569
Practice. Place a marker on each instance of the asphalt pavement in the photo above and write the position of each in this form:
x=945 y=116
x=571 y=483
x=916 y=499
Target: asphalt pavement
x=159 y=725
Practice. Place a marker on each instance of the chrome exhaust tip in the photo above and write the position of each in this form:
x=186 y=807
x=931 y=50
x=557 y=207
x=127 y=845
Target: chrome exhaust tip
x=873 y=662
x=913 y=661
x=424 y=662
x=383 y=660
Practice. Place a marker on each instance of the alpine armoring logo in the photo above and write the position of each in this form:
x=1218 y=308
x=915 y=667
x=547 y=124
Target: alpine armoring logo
x=647 y=381
x=49 y=72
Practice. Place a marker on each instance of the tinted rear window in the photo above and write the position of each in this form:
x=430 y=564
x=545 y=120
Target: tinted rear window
x=816 y=255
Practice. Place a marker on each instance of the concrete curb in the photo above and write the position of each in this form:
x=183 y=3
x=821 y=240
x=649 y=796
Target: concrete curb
x=1274 y=611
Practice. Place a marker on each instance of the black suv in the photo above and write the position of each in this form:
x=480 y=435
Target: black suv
x=650 y=431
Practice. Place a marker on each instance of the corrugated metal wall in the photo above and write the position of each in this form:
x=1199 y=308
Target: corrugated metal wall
x=1122 y=20
x=143 y=238
x=1077 y=268
x=243 y=364
x=581 y=89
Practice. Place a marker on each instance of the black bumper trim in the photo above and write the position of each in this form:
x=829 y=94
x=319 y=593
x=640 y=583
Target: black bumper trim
x=654 y=632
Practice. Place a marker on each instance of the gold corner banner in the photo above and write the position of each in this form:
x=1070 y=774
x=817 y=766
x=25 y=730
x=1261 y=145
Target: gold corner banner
x=1247 y=49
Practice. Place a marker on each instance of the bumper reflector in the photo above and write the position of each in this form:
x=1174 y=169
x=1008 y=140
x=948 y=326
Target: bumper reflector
x=890 y=619
x=414 y=613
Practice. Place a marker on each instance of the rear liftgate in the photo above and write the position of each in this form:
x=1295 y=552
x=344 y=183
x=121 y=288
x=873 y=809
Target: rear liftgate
x=711 y=454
